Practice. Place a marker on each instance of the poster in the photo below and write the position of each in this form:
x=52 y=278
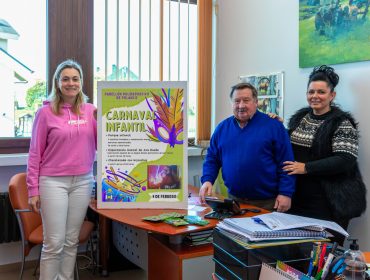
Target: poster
x=270 y=91
x=142 y=145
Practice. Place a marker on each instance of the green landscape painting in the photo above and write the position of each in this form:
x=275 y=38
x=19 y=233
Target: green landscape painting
x=333 y=31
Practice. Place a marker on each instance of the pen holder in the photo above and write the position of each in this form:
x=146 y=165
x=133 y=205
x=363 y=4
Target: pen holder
x=319 y=256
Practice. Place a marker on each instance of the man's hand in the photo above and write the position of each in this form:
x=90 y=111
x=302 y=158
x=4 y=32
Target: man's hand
x=205 y=190
x=34 y=203
x=282 y=203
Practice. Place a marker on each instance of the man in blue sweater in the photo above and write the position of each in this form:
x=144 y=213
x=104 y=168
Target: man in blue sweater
x=251 y=148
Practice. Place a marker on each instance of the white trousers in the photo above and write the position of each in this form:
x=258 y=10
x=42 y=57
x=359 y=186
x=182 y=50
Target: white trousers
x=64 y=201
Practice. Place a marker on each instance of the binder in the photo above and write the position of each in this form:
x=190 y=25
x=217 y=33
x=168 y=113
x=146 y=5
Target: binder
x=268 y=272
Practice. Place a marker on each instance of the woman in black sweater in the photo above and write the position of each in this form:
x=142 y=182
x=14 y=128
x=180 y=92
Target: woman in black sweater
x=325 y=144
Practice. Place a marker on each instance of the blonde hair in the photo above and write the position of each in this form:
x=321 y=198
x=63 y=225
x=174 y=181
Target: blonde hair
x=55 y=96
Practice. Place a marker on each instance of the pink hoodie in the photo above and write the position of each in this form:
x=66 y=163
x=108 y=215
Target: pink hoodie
x=61 y=145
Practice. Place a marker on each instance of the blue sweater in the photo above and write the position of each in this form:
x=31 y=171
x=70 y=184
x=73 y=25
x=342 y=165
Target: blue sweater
x=251 y=158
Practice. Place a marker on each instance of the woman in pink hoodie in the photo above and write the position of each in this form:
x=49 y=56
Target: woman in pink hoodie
x=59 y=171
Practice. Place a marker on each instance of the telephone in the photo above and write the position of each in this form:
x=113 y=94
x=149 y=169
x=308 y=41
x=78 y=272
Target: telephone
x=225 y=208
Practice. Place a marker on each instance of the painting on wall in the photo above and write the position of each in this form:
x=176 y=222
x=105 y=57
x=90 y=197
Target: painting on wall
x=270 y=91
x=333 y=31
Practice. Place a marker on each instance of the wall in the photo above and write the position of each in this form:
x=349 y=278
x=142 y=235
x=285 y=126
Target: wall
x=261 y=36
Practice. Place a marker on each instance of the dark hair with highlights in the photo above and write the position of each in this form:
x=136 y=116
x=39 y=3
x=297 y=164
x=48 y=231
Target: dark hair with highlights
x=326 y=74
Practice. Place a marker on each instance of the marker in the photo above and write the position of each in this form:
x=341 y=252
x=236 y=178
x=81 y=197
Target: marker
x=325 y=270
x=318 y=275
x=322 y=255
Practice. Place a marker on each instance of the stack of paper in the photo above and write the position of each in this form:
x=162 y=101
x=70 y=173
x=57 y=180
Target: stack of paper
x=281 y=221
x=275 y=227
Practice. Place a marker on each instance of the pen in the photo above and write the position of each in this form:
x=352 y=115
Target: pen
x=325 y=270
x=336 y=268
x=316 y=259
x=322 y=255
x=318 y=275
x=258 y=221
x=310 y=267
x=335 y=245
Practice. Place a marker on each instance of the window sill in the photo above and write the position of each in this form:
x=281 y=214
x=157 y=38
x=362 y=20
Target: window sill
x=21 y=159
x=196 y=151
x=13 y=159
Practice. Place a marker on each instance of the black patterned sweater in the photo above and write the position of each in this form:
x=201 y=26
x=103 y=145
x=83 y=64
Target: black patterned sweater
x=310 y=198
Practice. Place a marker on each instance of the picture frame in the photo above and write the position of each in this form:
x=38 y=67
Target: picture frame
x=270 y=91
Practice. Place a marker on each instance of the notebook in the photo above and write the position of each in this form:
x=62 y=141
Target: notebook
x=268 y=273
x=298 y=275
x=258 y=230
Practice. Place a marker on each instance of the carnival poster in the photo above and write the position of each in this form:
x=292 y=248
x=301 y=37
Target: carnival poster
x=142 y=145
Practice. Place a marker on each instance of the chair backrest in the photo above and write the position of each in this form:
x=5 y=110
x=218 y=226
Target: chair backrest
x=18 y=196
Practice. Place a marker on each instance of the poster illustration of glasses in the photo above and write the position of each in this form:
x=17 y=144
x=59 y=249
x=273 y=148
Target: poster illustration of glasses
x=270 y=91
x=142 y=145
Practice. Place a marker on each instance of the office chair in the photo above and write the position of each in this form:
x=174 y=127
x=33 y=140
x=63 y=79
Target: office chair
x=30 y=223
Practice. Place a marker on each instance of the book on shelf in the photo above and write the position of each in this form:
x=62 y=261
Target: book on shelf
x=199 y=237
x=202 y=232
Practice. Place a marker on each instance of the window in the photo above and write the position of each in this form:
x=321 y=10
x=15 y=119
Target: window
x=70 y=35
x=148 y=40
x=22 y=67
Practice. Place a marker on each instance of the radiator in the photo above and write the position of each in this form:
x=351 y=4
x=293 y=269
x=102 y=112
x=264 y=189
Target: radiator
x=9 y=230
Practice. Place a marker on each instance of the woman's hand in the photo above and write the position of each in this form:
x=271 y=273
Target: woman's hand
x=294 y=167
x=274 y=116
x=34 y=203
x=95 y=113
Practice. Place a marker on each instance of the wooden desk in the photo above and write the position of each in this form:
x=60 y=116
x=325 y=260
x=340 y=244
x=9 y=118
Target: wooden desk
x=133 y=217
x=367 y=257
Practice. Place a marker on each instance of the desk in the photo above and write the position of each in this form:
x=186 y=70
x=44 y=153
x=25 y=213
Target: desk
x=133 y=217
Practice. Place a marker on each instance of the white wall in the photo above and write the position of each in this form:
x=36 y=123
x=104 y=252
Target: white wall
x=261 y=36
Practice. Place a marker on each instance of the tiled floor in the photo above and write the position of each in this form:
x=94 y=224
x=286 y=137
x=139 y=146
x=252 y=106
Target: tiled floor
x=12 y=273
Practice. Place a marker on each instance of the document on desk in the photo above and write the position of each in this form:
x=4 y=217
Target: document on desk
x=196 y=208
x=251 y=234
x=283 y=221
x=260 y=230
